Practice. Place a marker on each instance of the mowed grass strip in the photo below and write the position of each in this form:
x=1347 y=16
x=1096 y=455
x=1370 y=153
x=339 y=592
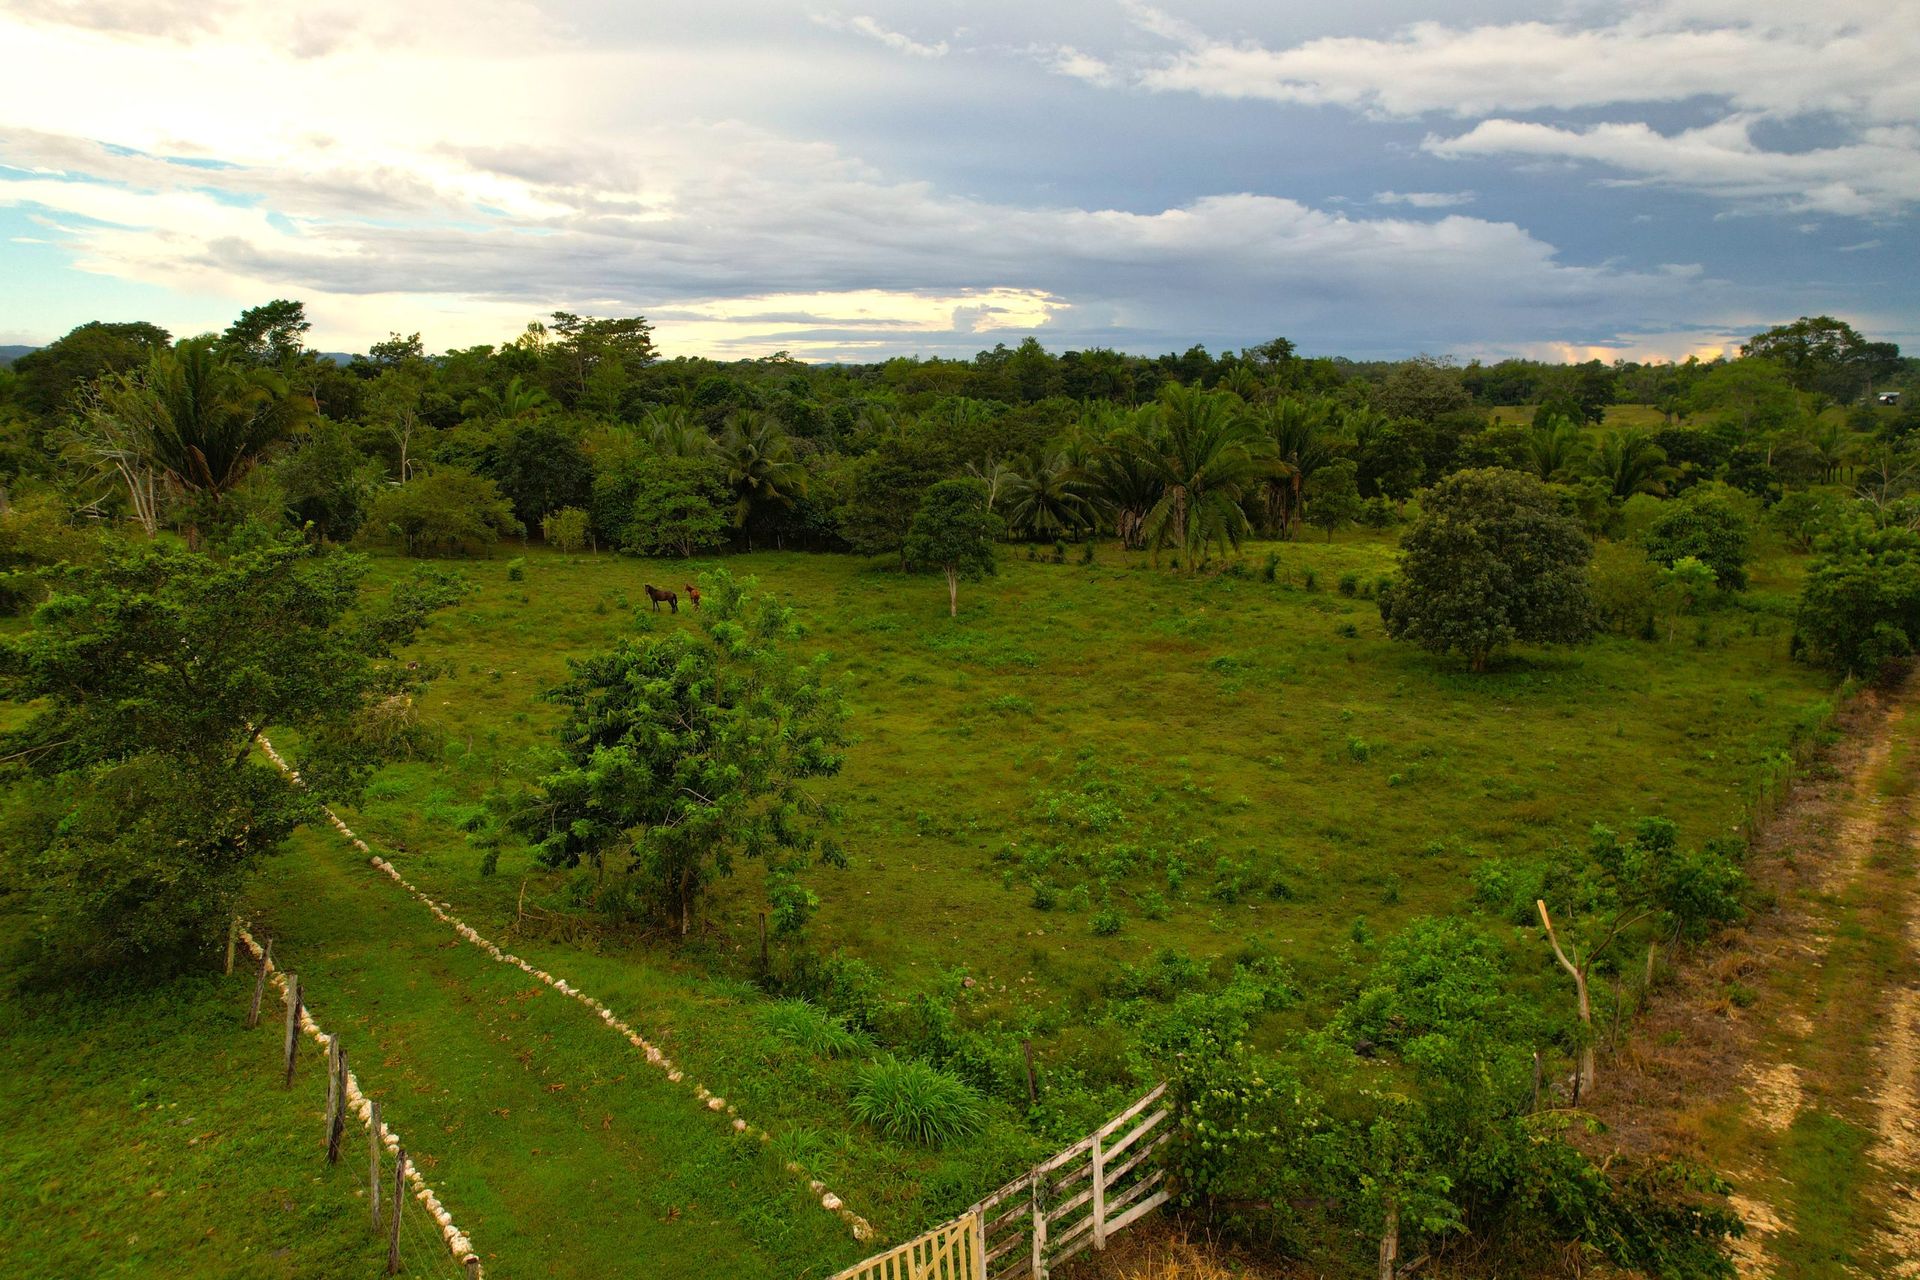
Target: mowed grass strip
x=145 y=1132
x=556 y=1148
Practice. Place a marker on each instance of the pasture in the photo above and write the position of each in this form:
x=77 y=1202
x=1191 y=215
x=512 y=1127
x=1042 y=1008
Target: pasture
x=1098 y=773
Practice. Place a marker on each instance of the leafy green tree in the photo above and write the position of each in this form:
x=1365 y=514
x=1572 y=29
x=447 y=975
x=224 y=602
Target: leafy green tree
x=679 y=506
x=1491 y=561
x=1804 y=515
x=271 y=335
x=1391 y=454
x=327 y=483
x=1680 y=586
x=149 y=677
x=1825 y=355
x=1707 y=525
x=50 y=377
x=515 y=401
x=1421 y=390
x=1750 y=398
x=1207 y=460
x=587 y=349
x=1860 y=606
x=888 y=485
x=540 y=467
x=447 y=511
x=685 y=749
x=1333 y=501
x=955 y=530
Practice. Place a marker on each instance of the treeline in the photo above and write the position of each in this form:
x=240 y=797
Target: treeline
x=577 y=431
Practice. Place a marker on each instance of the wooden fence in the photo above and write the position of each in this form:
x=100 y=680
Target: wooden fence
x=1101 y=1184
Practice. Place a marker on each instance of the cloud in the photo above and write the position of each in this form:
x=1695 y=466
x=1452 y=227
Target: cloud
x=871 y=28
x=1861 y=247
x=1879 y=174
x=1424 y=199
x=1847 y=64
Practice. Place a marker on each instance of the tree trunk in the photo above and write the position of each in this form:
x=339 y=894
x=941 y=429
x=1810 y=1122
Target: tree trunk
x=953 y=592
x=1584 y=1076
x=1390 y=1244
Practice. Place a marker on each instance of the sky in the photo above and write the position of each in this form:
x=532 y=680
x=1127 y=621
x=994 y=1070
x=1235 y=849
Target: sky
x=1374 y=179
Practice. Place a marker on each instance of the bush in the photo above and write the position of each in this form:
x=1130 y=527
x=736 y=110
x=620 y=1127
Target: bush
x=517 y=569
x=1624 y=584
x=567 y=529
x=913 y=1102
x=1107 y=922
x=1349 y=584
x=1860 y=606
x=444 y=512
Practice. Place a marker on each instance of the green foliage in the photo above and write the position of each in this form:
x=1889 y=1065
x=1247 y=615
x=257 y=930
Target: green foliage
x=911 y=1101
x=678 y=506
x=954 y=529
x=1333 y=502
x=682 y=749
x=1860 y=606
x=1625 y=585
x=326 y=482
x=1707 y=525
x=569 y=529
x=142 y=806
x=810 y=1029
x=444 y=512
x=1491 y=561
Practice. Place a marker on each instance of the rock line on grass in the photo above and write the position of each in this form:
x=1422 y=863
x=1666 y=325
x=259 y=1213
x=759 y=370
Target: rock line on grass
x=861 y=1229
x=457 y=1241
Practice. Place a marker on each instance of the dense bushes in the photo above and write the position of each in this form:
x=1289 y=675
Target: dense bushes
x=444 y=512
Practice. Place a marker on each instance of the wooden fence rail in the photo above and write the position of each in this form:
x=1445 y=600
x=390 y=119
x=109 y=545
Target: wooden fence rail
x=1079 y=1197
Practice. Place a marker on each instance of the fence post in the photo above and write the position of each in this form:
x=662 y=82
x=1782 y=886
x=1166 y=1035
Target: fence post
x=233 y=936
x=373 y=1162
x=1033 y=1095
x=260 y=985
x=765 y=967
x=1036 y=1200
x=293 y=1025
x=393 y=1219
x=1099 y=1194
x=978 y=1271
x=337 y=1093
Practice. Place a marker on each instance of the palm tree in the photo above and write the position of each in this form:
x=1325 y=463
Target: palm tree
x=1207 y=462
x=1630 y=462
x=1295 y=433
x=1830 y=448
x=1555 y=448
x=760 y=467
x=508 y=404
x=671 y=430
x=1123 y=482
x=1046 y=497
x=192 y=419
x=995 y=475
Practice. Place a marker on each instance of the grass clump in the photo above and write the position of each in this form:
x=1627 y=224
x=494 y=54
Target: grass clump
x=908 y=1100
x=811 y=1029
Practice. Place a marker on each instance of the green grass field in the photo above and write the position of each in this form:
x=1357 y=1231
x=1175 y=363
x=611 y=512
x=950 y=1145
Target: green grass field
x=1226 y=766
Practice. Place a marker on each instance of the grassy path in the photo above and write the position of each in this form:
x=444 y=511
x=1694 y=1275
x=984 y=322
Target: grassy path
x=1790 y=1059
x=557 y=1149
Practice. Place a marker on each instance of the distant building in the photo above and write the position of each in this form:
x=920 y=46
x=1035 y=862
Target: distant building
x=1889 y=397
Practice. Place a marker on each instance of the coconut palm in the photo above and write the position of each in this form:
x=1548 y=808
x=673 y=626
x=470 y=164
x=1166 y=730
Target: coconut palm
x=1208 y=461
x=761 y=468
x=1123 y=482
x=1555 y=448
x=1630 y=462
x=1046 y=498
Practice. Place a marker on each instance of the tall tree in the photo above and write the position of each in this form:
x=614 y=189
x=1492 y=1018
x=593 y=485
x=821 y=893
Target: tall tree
x=1205 y=458
x=271 y=335
x=761 y=468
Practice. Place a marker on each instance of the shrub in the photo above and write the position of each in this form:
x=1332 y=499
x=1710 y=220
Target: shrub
x=444 y=512
x=569 y=529
x=1107 y=922
x=1349 y=584
x=1707 y=525
x=517 y=569
x=911 y=1101
x=1270 y=568
x=810 y=1028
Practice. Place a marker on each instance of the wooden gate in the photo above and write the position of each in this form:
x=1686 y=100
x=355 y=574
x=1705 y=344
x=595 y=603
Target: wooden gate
x=948 y=1252
x=1101 y=1184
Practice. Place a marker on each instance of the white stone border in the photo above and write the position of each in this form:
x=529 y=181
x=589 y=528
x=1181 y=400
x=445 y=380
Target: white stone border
x=457 y=1242
x=862 y=1230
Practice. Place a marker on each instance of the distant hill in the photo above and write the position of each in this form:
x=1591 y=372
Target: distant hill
x=9 y=354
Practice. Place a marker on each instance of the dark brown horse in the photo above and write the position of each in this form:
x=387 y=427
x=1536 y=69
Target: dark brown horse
x=660 y=597
x=693 y=595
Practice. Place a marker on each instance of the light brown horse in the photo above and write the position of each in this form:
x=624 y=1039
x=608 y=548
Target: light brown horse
x=661 y=596
x=693 y=594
